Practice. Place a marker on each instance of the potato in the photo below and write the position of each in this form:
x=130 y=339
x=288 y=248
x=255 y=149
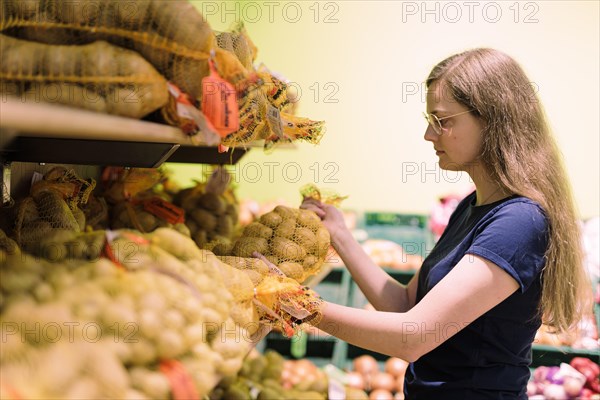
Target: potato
x=232 y=211
x=309 y=262
x=292 y=270
x=94 y=244
x=285 y=249
x=183 y=229
x=271 y=219
x=305 y=238
x=286 y=212
x=31 y=234
x=79 y=217
x=205 y=220
x=323 y=242
x=65 y=93
x=286 y=229
x=224 y=225
x=245 y=263
x=192 y=226
x=254 y=276
x=257 y=229
x=309 y=219
x=124 y=83
x=28 y=211
x=246 y=246
x=76 y=248
x=54 y=209
x=212 y=202
x=222 y=249
x=146 y=220
x=200 y=238
x=187 y=200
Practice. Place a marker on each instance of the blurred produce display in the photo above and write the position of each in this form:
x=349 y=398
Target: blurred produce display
x=270 y=376
x=576 y=380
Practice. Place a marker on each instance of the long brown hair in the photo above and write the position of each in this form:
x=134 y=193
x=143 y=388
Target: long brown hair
x=520 y=154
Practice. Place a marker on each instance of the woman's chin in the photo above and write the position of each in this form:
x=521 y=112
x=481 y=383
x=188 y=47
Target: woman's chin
x=449 y=166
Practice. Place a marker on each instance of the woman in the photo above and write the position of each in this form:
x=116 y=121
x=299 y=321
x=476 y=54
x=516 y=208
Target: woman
x=509 y=258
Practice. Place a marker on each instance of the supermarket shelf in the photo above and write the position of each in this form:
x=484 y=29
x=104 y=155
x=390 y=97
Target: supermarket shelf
x=206 y=155
x=49 y=133
x=554 y=355
x=402 y=276
x=88 y=152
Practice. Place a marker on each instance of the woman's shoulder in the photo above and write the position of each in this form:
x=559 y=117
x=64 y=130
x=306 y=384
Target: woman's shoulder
x=518 y=211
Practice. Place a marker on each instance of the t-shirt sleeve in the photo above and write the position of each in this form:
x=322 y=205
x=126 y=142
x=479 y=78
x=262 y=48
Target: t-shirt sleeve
x=514 y=237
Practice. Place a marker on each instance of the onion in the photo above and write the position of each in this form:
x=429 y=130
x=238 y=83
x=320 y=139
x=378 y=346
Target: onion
x=301 y=371
x=539 y=375
x=383 y=380
x=304 y=362
x=554 y=392
x=395 y=366
x=381 y=394
x=355 y=380
x=532 y=388
x=365 y=364
x=286 y=374
x=550 y=376
x=572 y=386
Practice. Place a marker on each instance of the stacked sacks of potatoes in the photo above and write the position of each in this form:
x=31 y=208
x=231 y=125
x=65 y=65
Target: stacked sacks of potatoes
x=52 y=208
x=295 y=240
x=135 y=202
x=210 y=217
x=211 y=212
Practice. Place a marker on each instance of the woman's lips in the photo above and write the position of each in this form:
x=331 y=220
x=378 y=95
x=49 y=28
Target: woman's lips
x=439 y=152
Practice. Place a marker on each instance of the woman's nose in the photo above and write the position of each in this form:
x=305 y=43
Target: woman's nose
x=430 y=134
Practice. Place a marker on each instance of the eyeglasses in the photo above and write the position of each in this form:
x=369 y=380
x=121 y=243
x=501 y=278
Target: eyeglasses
x=436 y=123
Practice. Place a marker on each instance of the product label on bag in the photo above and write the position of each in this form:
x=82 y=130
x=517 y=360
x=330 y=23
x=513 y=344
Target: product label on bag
x=274 y=121
x=219 y=103
x=164 y=210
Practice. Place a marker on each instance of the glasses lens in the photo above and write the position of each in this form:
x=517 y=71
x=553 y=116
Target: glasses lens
x=434 y=122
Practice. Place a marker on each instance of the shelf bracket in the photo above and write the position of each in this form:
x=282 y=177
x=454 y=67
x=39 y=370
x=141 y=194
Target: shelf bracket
x=5 y=175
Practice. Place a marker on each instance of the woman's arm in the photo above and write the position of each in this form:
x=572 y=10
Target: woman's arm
x=472 y=288
x=383 y=292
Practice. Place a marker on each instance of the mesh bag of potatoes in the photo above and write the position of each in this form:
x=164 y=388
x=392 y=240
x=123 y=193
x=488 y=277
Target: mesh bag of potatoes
x=294 y=240
x=172 y=35
x=52 y=208
x=211 y=211
x=97 y=76
x=161 y=301
x=136 y=204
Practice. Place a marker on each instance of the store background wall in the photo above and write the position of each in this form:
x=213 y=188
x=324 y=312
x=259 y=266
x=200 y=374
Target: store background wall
x=360 y=66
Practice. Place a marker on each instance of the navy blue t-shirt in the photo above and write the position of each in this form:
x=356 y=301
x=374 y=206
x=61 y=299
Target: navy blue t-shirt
x=490 y=357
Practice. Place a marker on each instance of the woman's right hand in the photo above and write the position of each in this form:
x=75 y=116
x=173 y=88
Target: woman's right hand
x=332 y=218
